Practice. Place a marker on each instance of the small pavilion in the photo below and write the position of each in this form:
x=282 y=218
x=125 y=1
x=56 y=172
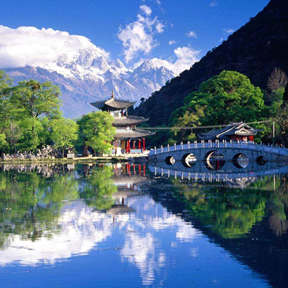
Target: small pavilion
x=128 y=138
x=235 y=132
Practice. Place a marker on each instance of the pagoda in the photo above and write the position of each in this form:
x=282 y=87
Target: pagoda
x=128 y=138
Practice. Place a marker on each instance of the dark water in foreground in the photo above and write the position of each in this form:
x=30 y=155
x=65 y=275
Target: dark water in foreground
x=121 y=226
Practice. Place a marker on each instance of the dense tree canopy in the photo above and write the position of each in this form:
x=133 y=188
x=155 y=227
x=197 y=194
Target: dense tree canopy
x=64 y=133
x=36 y=99
x=225 y=98
x=30 y=117
x=96 y=131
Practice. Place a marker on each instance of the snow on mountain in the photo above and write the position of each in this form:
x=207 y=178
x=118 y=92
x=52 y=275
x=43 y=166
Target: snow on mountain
x=83 y=71
x=91 y=77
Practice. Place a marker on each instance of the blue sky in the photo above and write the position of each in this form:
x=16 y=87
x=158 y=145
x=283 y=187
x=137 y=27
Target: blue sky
x=197 y=24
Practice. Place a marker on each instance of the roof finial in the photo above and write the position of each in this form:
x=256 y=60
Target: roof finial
x=112 y=93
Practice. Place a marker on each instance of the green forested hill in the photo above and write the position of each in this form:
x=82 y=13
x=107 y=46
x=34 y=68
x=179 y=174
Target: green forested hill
x=259 y=50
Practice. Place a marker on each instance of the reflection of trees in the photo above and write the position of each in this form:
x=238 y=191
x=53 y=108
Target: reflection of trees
x=30 y=204
x=231 y=213
x=99 y=188
x=279 y=208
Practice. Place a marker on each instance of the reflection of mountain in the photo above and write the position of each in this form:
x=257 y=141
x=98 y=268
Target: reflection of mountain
x=80 y=230
x=161 y=243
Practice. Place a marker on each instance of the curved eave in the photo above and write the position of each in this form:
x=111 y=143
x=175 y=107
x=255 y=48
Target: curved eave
x=133 y=134
x=131 y=120
x=98 y=104
x=112 y=103
x=118 y=104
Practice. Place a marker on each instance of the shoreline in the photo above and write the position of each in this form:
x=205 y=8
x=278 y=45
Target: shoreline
x=113 y=159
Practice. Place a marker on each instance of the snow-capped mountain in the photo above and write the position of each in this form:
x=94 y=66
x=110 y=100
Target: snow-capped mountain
x=89 y=75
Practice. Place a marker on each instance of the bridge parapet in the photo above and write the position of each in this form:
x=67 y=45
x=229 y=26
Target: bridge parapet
x=229 y=148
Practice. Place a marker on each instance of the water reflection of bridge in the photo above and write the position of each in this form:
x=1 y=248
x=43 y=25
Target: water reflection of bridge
x=229 y=174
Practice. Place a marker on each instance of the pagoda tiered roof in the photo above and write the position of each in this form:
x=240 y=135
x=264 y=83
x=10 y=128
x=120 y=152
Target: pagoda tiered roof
x=132 y=133
x=112 y=104
x=128 y=120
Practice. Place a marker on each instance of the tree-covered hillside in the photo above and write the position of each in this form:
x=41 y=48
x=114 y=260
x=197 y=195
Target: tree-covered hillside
x=258 y=50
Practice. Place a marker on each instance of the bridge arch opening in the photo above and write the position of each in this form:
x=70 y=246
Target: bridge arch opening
x=170 y=160
x=214 y=160
x=240 y=160
x=260 y=160
x=189 y=160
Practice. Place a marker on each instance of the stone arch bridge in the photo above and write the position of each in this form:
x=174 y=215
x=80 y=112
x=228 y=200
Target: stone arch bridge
x=216 y=154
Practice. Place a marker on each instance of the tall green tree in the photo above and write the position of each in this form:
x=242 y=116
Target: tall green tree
x=96 y=131
x=227 y=97
x=36 y=99
x=22 y=110
x=64 y=133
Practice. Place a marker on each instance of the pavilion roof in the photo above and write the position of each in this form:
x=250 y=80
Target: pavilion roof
x=241 y=129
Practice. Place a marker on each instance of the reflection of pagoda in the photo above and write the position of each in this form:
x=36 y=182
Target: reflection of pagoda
x=128 y=179
x=128 y=138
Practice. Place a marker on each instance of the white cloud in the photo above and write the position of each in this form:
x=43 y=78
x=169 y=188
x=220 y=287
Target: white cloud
x=138 y=36
x=146 y=9
x=38 y=47
x=172 y=42
x=213 y=3
x=159 y=27
x=191 y=34
x=186 y=57
x=229 y=31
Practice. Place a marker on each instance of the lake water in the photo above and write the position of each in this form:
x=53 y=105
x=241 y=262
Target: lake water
x=123 y=225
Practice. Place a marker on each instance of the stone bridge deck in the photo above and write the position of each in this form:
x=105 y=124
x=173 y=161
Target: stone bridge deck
x=227 y=150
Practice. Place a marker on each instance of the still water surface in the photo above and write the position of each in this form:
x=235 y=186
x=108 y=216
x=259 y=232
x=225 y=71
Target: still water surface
x=121 y=226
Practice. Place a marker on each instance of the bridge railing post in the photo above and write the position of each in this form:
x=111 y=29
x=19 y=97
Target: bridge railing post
x=155 y=150
x=195 y=144
x=175 y=146
x=182 y=147
x=168 y=147
x=188 y=144
x=161 y=148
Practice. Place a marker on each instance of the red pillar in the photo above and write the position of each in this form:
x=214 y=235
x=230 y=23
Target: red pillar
x=143 y=144
x=139 y=143
x=139 y=169
x=144 y=170
x=134 y=171
x=128 y=144
x=129 y=169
